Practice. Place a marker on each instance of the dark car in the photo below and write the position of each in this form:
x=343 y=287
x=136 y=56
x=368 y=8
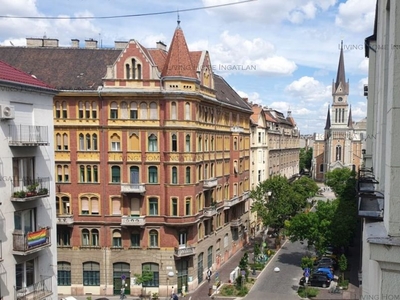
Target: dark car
x=326 y=261
x=320 y=280
x=325 y=265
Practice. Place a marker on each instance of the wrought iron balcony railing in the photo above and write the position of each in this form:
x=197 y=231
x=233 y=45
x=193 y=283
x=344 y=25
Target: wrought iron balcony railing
x=37 y=291
x=28 y=135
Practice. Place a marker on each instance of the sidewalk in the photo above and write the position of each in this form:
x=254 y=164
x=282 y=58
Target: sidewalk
x=201 y=293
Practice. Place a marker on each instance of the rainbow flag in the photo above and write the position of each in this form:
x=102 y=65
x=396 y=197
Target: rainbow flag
x=37 y=238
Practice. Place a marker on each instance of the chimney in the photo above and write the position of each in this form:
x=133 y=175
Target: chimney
x=41 y=42
x=161 y=45
x=120 y=44
x=91 y=44
x=50 y=42
x=245 y=99
x=74 y=43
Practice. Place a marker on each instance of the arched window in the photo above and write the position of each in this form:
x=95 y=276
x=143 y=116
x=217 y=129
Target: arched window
x=88 y=142
x=94 y=142
x=134 y=174
x=134 y=112
x=124 y=110
x=113 y=110
x=139 y=71
x=338 y=152
x=187 y=111
x=173 y=111
x=94 y=110
x=154 y=269
x=87 y=110
x=210 y=256
x=80 y=105
x=81 y=142
x=58 y=142
x=174 y=175
x=63 y=273
x=116 y=238
x=58 y=110
x=115 y=174
x=85 y=237
x=187 y=143
x=127 y=71
x=65 y=110
x=65 y=141
x=199 y=146
x=235 y=144
x=153 y=175
x=91 y=274
x=187 y=180
x=153 y=111
x=152 y=140
x=174 y=143
x=143 y=111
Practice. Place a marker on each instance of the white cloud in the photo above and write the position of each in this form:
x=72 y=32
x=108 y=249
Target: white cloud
x=363 y=66
x=281 y=106
x=253 y=97
x=236 y=54
x=296 y=11
x=308 y=89
x=356 y=15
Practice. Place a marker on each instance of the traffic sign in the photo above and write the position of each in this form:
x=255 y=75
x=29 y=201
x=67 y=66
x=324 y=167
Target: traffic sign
x=123 y=277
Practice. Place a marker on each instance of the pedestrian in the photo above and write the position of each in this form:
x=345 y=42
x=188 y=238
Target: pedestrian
x=172 y=292
x=209 y=273
x=175 y=296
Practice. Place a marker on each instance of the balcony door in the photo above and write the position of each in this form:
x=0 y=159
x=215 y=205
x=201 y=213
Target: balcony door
x=24 y=220
x=182 y=240
x=25 y=277
x=134 y=174
x=23 y=171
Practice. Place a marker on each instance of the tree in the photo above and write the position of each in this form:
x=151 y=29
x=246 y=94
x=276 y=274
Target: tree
x=303 y=188
x=146 y=276
x=337 y=180
x=342 y=265
x=307 y=262
x=305 y=158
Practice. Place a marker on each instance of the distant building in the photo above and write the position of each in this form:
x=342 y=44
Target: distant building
x=28 y=251
x=340 y=146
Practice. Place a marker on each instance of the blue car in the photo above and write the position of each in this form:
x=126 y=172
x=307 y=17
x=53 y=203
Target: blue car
x=325 y=271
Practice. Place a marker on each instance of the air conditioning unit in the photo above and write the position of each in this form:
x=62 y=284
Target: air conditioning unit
x=7 y=112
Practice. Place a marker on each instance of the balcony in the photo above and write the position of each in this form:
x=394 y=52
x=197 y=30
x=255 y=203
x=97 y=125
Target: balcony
x=133 y=221
x=237 y=129
x=367 y=184
x=28 y=135
x=183 y=251
x=233 y=201
x=138 y=188
x=65 y=219
x=37 y=291
x=371 y=205
x=210 y=183
x=209 y=211
x=246 y=195
x=236 y=223
x=30 y=189
x=27 y=243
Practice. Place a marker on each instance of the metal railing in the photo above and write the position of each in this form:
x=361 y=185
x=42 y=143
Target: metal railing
x=28 y=135
x=26 y=242
x=37 y=291
x=30 y=187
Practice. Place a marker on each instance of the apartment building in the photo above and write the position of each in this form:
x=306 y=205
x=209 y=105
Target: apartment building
x=151 y=160
x=28 y=252
x=378 y=183
x=275 y=150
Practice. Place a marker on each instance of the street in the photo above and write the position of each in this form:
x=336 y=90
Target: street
x=280 y=285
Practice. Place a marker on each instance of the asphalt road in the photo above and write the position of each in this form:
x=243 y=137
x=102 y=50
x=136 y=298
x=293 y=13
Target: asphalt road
x=280 y=285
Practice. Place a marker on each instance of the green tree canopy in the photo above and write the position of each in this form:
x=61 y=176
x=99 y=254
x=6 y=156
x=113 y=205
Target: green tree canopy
x=337 y=180
x=305 y=157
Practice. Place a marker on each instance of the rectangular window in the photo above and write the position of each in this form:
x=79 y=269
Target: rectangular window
x=135 y=240
x=115 y=146
x=91 y=274
x=188 y=207
x=174 y=208
x=153 y=207
x=64 y=274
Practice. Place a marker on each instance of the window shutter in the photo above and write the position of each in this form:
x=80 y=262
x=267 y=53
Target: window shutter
x=95 y=205
x=116 y=205
x=85 y=204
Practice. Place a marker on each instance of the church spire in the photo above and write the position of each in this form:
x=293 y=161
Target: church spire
x=350 y=121
x=340 y=76
x=328 y=119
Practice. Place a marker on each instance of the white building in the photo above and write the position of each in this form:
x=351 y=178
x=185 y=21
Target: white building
x=28 y=257
x=379 y=199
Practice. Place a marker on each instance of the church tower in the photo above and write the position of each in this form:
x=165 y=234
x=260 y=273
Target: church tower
x=340 y=145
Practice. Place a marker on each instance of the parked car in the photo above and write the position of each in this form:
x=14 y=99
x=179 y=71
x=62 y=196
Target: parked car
x=320 y=280
x=325 y=265
x=326 y=271
x=326 y=261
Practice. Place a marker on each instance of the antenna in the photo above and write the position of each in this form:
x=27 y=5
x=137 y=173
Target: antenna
x=178 y=20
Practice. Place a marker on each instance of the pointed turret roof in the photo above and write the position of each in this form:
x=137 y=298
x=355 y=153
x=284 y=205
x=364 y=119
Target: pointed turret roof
x=328 y=119
x=340 y=76
x=178 y=61
x=350 y=121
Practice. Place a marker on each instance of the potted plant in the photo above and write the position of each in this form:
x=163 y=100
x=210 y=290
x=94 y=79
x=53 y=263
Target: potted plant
x=19 y=194
x=32 y=189
x=154 y=296
x=43 y=191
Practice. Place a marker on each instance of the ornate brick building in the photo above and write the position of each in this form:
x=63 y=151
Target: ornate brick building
x=152 y=163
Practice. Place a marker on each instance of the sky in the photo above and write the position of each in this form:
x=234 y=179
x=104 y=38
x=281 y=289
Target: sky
x=282 y=54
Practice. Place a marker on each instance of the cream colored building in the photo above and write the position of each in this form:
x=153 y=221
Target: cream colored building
x=380 y=206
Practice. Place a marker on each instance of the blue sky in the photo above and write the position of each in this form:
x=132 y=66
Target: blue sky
x=281 y=54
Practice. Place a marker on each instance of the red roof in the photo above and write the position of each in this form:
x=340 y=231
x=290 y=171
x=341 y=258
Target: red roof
x=11 y=74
